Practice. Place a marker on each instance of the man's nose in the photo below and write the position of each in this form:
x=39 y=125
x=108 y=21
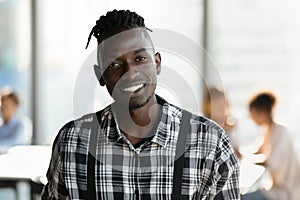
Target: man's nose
x=130 y=71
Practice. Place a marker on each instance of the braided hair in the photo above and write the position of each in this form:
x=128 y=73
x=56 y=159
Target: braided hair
x=115 y=22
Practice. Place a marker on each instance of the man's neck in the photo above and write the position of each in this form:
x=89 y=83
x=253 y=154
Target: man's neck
x=139 y=123
x=7 y=119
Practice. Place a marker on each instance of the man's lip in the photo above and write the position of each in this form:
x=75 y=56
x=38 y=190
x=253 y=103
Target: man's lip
x=126 y=84
x=133 y=87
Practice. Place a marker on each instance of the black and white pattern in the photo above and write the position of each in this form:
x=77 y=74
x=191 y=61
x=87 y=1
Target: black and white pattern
x=146 y=172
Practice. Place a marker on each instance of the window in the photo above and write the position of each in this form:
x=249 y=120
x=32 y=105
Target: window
x=254 y=46
x=15 y=50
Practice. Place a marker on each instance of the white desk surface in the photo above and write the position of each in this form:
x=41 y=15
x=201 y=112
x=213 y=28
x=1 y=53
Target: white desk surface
x=30 y=162
x=25 y=162
x=249 y=173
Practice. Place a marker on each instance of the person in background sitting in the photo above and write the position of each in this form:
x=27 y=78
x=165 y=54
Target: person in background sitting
x=11 y=126
x=217 y=108
x=281 y=160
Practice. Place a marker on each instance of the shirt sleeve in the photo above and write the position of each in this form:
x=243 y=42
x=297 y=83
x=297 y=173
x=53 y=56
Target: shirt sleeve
x=229 y=188
x=12 y=134
x=55 y=188
x=225 y=173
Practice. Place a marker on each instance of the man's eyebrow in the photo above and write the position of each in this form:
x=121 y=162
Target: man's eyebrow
x=115 y=56
x=139 y=50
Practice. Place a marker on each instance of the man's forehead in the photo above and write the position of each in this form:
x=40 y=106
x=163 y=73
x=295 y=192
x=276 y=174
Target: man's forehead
x=124 y=42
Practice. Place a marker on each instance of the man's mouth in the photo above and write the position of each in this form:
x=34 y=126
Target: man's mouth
x=134 y=88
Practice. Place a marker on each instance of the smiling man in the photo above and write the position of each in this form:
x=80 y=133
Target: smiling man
x=140 y=146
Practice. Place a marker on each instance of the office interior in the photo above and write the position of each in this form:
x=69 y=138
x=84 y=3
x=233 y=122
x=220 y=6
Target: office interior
x=242 y=47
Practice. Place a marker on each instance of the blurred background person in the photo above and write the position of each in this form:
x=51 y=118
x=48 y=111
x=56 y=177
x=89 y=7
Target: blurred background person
x=216 y=107
x=12 y=130
x=281 y=159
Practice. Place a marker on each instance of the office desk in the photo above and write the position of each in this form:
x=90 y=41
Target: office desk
x=25 y=163
x=250 y=173
x=29 y=163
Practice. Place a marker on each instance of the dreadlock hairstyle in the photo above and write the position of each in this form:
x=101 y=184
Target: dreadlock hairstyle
x=115 y=22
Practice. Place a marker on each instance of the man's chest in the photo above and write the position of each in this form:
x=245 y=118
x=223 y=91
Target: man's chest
x=149 y=173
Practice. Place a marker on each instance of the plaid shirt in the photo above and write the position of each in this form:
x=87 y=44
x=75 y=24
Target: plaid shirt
x=145 y=172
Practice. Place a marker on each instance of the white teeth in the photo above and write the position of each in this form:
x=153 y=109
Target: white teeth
x=133 y=88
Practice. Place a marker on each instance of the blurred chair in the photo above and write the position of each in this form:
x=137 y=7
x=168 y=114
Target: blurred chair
x=27 y=140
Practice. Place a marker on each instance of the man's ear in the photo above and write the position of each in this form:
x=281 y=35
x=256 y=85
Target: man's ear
x=158 y=63
x=98 y=73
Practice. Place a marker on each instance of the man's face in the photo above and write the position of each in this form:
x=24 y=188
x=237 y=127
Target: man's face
x=8 y=108
x=259 y=117
x=129 y=67
x=219 y=109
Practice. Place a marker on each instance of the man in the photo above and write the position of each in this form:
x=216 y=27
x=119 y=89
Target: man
x=12 y=127
x=132 y=149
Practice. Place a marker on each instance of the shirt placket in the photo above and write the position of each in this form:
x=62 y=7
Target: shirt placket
x=136 y=177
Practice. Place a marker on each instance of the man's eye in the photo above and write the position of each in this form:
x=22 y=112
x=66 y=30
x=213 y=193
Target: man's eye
x=115 y=65
x=141 y=58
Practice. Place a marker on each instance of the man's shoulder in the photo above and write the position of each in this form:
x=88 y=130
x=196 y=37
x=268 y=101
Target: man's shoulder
x=80 y=126
x=212 y=137
x=207 y=128
x=203 y=122
x=85 y=119
x=77 y=123
x=196 y=119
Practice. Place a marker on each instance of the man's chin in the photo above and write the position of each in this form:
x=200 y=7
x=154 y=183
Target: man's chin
x=133 y=102
x=138 y=104
x=134 y=106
